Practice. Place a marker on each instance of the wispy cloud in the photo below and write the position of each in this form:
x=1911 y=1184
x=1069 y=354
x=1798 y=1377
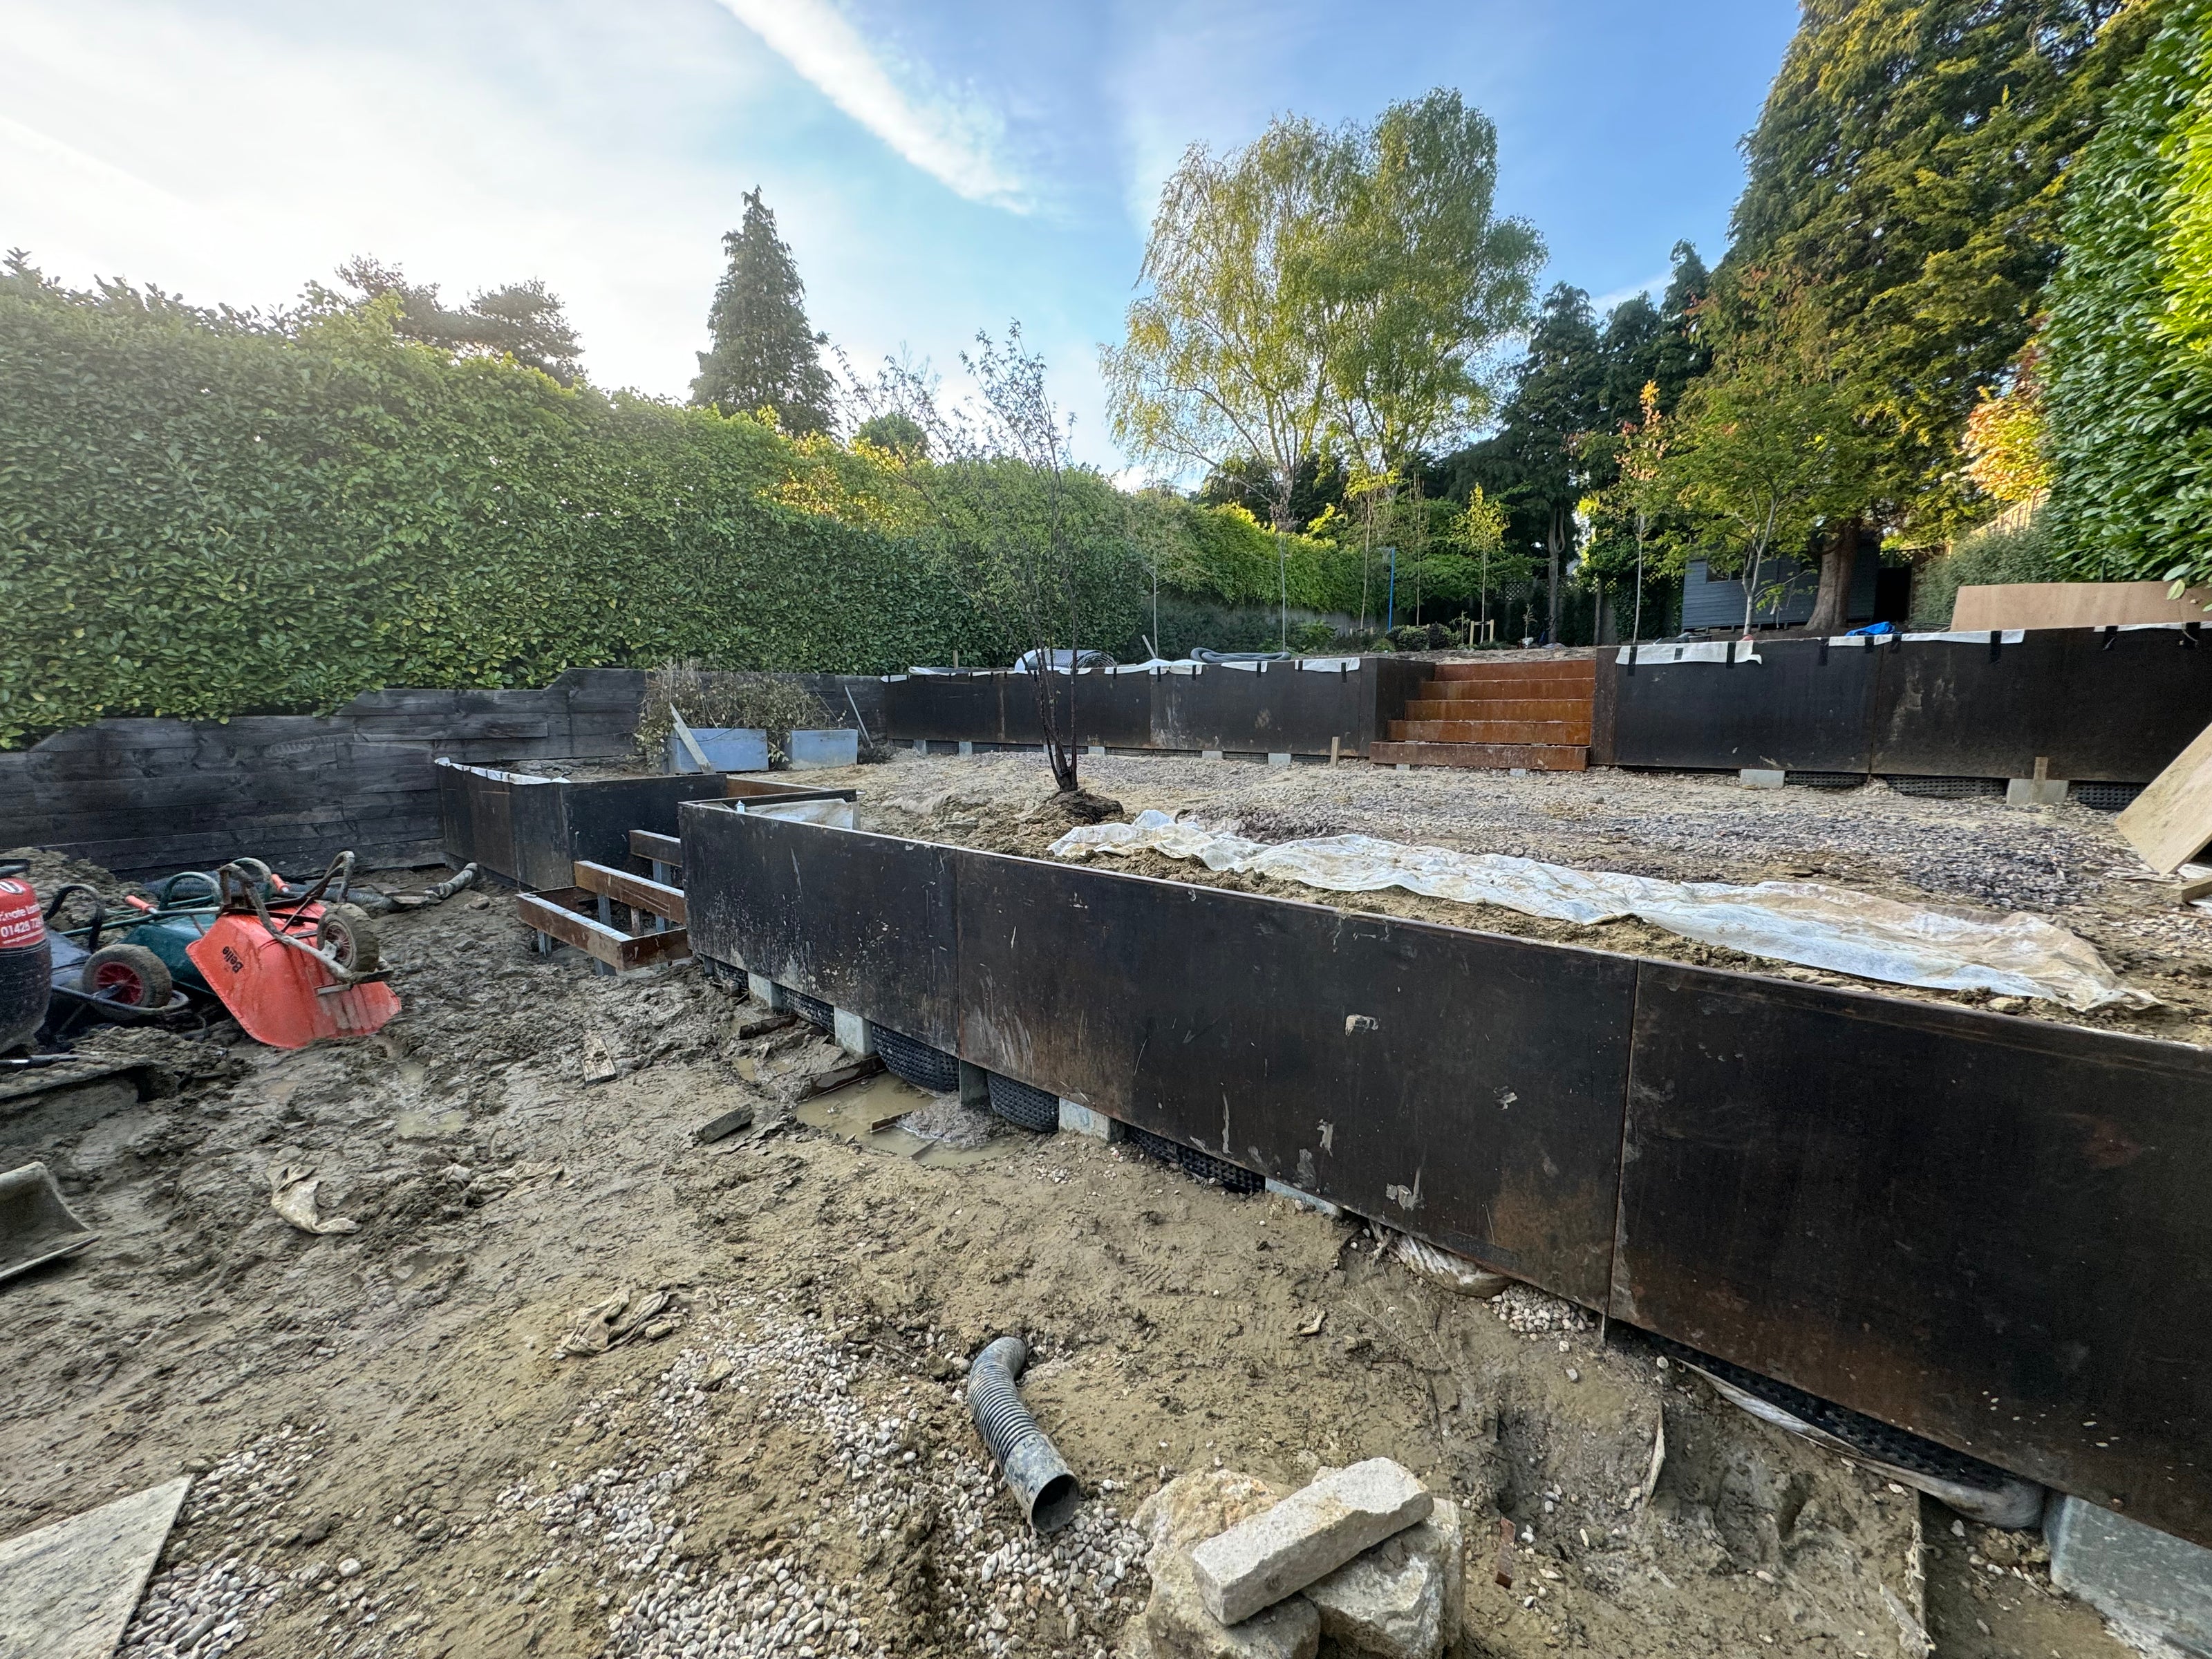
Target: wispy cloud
x=955 y=142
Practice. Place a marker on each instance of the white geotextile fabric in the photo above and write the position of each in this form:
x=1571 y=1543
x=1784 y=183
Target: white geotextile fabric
x=1805 y=922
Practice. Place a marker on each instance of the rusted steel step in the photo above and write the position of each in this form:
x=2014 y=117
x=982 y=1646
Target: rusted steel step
x=1583 y=669
x=557 y=914
x=1499 y=708
x=1495 y=756
x=1543 y=731
x=653 y=897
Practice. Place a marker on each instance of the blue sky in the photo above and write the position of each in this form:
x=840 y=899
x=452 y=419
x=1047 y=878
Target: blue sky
x=936 y=168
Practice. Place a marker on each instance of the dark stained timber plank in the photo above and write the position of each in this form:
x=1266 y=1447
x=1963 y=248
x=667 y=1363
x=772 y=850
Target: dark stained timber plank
x=653 y=897
x=547 y=912
x=862 y=922
x=1461 y=1085
x=1991 y=1231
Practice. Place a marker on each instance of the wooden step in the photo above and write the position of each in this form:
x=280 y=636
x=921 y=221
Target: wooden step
x=1583 y=669
x=652 y=897
x=1500 y=708
x=559 y=913
x=1494 y=757
x=1541 y=732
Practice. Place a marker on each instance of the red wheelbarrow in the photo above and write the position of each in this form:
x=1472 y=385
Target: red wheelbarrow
x=293 y=967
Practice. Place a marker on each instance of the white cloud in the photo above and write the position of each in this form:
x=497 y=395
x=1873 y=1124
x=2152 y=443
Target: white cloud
x=1651 y=287
x=955 y=142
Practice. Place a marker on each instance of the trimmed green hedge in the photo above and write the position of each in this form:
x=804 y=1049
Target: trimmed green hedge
x=203 y=517
x=2128 y=404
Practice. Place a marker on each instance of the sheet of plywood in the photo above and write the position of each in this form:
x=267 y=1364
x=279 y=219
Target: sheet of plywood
x=67 y=1591
x=2072 y=605
x=2171 y=821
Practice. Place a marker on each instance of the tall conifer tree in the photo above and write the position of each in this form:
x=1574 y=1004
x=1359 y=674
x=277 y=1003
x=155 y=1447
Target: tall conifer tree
x=764 y=355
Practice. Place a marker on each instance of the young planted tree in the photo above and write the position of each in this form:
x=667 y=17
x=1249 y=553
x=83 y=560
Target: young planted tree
x=1764 y=455
x=1228 y=353
x=1034 y=538
x=764 y=355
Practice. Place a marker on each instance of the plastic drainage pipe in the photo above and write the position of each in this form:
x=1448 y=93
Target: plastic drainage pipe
x=1040 y=1483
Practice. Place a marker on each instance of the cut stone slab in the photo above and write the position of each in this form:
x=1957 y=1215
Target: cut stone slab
x=1175 y=1624
x=1309 y=1535
x=68 y=1590
x=1404 y=1599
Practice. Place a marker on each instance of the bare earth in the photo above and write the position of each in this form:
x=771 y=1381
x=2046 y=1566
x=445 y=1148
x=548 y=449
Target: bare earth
x=391 y=1459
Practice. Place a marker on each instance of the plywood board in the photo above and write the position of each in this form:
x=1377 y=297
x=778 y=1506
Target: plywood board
x=2073 y=605
x=68 y=1590
x=2171 y=821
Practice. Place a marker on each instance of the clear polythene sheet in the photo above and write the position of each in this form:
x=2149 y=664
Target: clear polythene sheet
x=1809 y=923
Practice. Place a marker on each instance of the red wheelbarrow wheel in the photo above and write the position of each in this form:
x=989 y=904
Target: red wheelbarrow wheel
x=130 y=974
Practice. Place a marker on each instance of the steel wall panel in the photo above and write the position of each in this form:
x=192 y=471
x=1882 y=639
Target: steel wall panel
x=1463 y=1086
x=1991 y=1231
x=2100 y=704
x=863 y=922
x=1285 y=709
x=944 y=708
x=1805 y=706
x=600 y=812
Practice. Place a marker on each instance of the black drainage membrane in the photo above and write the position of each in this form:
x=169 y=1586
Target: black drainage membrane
x=1023 y=1106
x=813 y=1011
x=1874 y=1439
x=917 y=1062
x=1199 y=1166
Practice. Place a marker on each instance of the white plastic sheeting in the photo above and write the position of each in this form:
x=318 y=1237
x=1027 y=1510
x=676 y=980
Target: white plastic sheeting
x=1805 y=922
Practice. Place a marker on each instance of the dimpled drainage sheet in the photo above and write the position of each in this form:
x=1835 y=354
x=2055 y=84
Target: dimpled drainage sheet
x=813 y=1009
x=1199 y=1166
x=1025 y=1107
x=1947 y=789
x=917 y=1062
x=2103 y=797
x=1874 y=1438
x=1826 y=780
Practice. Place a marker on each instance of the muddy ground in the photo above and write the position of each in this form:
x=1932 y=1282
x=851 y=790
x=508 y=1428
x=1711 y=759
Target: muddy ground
x=393 y=1457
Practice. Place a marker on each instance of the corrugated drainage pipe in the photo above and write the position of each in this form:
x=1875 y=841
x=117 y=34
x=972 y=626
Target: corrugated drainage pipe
x=1040 y=1483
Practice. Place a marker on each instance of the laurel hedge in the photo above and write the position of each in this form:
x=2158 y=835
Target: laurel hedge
x=206 y=515
x=2129 y=395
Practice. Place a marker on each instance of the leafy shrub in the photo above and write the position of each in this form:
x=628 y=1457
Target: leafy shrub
x=2021 y=553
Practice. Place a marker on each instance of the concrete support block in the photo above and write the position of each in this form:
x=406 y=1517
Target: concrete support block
x=975 y=1087
x=1309 y=1535
x=1404 y=766
x=1758 y=777
x=852 y=1033
x=1096 y=752
x=766 y=992
x=1278 y=758
x=1082 y=1121
x=1304 y=1201
x=1517 y=771
x=921 y=745
x=2149 y=1583
x=1209 y=754
x=967 y=747
x=2035 y=792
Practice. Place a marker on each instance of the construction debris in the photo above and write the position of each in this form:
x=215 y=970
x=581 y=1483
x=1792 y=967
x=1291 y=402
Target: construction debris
x=292 y=1195
x=1307 y=1537
x=67 y=1591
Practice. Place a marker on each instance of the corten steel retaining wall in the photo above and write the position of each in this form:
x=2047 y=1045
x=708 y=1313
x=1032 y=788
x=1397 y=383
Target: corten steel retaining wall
x=2102 y=705
x=1281 y=708
x=148 y=797
x=531 y=830
x=1985 y=1229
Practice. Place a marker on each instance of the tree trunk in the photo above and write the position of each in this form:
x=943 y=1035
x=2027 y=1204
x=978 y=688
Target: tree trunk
x=1554 y=536
x=1832 y=604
